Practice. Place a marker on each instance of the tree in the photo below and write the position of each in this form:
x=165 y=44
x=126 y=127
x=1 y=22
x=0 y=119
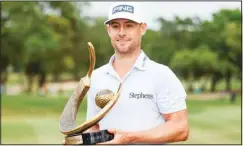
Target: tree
x=216 y=35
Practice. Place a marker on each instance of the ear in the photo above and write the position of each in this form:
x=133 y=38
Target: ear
x=143 y=28
x=108 y=29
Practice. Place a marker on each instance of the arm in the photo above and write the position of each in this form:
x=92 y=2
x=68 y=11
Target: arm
x=175 y=129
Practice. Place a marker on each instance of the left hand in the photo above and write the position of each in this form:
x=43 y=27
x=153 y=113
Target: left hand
x=119 y=137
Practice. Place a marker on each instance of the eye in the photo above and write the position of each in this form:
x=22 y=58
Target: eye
x=129 y=25
x=114 y=26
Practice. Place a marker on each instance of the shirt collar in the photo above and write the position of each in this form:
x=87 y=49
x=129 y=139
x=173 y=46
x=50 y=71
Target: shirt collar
x=141 y=61
x=139 y=64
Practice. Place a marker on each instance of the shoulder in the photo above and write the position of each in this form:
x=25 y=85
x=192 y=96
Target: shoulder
x=166 y=80
x=162 y=73
x=159 y=68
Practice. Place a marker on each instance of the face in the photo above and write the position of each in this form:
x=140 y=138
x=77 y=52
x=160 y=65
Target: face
x=125 y=35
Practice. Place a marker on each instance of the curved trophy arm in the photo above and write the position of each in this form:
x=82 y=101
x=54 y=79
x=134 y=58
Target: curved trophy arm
x=92 y=59
x=67 y=123
x=68 y=117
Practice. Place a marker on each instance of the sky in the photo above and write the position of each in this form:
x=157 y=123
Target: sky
x=168 y=10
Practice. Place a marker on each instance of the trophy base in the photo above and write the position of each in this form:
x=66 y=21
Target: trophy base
x=89 y=138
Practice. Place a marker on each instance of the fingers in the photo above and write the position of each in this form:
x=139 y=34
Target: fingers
x=104 y=143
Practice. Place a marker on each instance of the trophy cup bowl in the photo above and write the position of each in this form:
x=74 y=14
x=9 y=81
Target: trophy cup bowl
x=105 y=99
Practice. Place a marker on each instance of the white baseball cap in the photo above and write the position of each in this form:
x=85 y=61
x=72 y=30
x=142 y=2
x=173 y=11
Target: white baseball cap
x=125 y=10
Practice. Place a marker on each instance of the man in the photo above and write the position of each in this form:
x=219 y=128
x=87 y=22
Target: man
x=151 y=108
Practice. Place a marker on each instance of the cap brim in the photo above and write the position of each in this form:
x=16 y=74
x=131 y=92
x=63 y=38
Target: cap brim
x=107 y=21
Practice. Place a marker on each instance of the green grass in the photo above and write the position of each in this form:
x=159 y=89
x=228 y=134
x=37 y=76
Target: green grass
x=30 y=130
x=214 y=122
x=34 y=120
x=216 y=126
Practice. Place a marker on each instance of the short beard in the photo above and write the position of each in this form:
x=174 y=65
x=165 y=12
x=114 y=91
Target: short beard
x=132 y=48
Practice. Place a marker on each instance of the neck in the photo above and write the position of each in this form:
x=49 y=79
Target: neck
x=124 y=62
x=126 y=59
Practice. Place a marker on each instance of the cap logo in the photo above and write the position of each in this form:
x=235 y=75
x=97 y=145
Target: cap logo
x=123 y=8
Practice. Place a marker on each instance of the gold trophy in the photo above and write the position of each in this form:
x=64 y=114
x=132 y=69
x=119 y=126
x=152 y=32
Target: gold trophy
x=105 y=99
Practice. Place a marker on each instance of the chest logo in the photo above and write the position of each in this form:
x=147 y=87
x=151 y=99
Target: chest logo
x=140 y=95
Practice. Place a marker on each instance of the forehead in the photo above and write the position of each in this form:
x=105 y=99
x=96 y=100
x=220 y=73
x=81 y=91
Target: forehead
x=121 y=21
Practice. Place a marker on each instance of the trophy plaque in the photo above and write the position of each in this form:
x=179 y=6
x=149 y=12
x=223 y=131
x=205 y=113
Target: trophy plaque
x=105 y=99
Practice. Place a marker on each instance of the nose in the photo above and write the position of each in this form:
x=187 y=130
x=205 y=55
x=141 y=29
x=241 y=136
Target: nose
x=122 y=32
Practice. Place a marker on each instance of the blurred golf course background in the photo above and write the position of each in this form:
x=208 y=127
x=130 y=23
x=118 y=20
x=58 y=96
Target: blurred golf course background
x=34 y=120
x=44 y=53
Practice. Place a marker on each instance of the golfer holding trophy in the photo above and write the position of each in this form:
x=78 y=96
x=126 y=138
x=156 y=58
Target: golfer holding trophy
x=131 y=99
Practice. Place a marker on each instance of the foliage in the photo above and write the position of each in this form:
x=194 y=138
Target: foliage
x=55 y=34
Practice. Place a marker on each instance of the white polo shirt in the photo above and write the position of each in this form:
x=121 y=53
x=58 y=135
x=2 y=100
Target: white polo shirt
x=147 y=91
